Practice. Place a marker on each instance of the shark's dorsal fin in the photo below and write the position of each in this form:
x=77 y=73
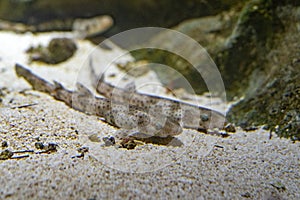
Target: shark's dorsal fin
x=130 y=87
x=82 y=90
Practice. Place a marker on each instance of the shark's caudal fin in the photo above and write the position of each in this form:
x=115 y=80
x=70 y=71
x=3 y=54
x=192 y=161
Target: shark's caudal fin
x=34 y=80
x=37 y=83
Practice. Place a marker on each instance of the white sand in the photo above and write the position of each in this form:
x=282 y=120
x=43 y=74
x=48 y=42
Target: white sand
x=245 y=165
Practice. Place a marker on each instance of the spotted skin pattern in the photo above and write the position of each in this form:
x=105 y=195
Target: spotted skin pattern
x=188 y=115
x=118 y=114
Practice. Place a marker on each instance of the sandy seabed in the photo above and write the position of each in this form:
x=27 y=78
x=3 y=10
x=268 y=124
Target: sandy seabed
x=246 y=165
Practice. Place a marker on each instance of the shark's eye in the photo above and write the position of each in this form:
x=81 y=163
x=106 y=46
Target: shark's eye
x=204 y=117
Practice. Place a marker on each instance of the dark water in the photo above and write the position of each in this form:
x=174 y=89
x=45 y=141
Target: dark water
x=127 y=14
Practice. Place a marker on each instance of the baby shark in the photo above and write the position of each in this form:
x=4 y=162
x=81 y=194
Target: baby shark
x=136 y=114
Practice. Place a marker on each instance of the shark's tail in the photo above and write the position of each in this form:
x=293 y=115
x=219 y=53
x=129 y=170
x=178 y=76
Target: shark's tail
x=37 y=83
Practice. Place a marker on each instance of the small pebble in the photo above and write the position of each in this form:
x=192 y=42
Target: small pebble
x=39 y=145
x=83 y=150
x=128 y=143
x=109 y=141
x=230 y=128
x=4 y=144
x=94 y=138
x=52 y=147
x=6 y=154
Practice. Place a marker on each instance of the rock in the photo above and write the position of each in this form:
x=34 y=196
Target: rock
x=244 y=51
x=58 y=50
x=90 y=27
x=272 y=89
x=277 y=105
x=210 y=32
x=127 y=14
x=256 y=50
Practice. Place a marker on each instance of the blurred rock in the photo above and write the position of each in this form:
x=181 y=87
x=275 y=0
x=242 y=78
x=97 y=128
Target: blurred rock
x=57 y=51
x=261 y=62
x=127 y=14
x=256 y=49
